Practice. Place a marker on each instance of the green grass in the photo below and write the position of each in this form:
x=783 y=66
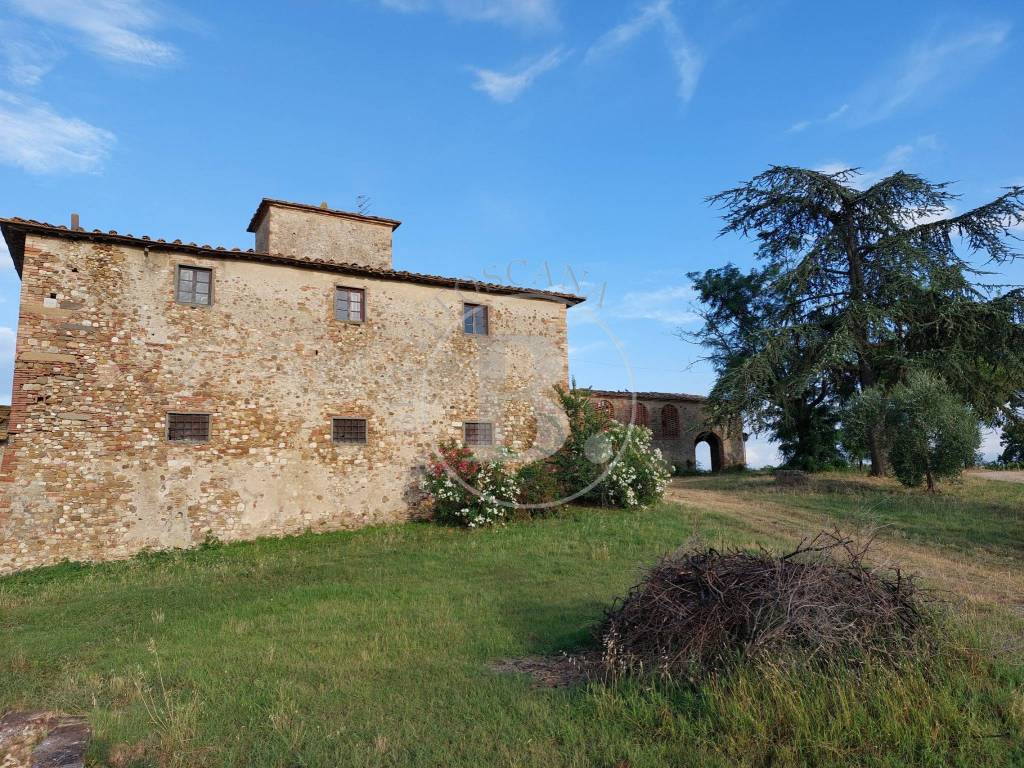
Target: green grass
x=373 y=648
x=968 y=515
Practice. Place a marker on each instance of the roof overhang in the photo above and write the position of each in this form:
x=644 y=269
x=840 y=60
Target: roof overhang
x=267 y=203
x=15 y=229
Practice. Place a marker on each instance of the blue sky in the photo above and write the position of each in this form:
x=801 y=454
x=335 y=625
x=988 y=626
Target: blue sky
x=514 y=139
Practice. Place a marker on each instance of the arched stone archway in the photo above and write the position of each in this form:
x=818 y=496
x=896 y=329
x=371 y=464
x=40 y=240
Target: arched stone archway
x=716 y=447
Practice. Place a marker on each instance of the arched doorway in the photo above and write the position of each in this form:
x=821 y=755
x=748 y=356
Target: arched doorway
x=715 y=447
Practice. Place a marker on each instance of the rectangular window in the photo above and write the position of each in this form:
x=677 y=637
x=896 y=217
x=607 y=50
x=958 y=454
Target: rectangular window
x=478 y=433
x=188 y=427
x=349 y=304
x=195 y=285
x=349 y=430
x=474 y=319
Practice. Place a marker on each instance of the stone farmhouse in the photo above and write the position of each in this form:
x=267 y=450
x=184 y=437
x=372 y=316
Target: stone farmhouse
x=167 y=392
x=678 y=425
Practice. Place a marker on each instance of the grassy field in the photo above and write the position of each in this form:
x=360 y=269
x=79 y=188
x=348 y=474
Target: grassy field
x=971 y=515
x=374 y=647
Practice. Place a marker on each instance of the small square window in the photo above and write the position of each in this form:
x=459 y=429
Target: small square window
x=188 y=427
x=348 y=430
x=195 y=286
x=478 y=433
x=474 y=319
x=349 y=304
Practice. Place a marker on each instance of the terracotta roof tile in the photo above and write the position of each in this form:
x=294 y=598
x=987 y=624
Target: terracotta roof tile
x=18 y=225
x=266 y=202
x=646 y=395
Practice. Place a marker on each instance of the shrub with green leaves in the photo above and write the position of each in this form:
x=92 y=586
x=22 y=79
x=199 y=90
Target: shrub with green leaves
x=610 y=463
x=468 y=492
x=615 y=462
x=929 y=433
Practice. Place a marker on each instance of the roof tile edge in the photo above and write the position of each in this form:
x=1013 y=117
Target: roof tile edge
x=16 y=224
x=266 y=202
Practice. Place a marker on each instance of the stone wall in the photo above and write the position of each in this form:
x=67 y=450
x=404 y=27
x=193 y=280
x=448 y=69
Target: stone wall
x=104 y=352
x=693 y=424
x=312 y=233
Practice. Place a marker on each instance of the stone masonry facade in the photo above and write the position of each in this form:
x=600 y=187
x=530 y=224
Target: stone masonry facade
x=678 y=423
x=105 y=352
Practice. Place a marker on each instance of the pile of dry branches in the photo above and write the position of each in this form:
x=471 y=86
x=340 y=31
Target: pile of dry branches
x=701 y=610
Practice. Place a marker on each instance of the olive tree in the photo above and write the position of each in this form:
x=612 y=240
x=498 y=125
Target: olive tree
x=928 y=432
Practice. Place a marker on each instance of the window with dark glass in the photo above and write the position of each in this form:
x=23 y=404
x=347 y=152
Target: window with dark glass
x=478 y=433
x=349 y=304
x=474 y=319
x=195 y=285
x=349 y=430
x=188 y=427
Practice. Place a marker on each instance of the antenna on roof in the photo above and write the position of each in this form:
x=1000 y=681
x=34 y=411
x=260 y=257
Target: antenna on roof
x=363 y=204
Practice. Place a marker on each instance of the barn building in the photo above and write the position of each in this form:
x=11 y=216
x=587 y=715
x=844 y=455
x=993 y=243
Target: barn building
x=678 y=424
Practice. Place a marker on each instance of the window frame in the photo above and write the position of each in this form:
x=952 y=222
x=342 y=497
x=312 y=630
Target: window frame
x=486 y=318
x=188 y=441
x=477 y=424
x=366 y=430
x=177 y=284
x=334 y=303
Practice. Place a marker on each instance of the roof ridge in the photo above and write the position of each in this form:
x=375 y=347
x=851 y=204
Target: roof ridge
x=250 y=254
x=650 y=395
x=266 y=202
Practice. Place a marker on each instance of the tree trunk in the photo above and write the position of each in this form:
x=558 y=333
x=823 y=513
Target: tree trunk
x=865 y=372
x=879 y=460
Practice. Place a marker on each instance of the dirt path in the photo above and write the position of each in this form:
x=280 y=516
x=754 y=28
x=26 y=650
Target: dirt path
x=973 y=578
x=1005 y=475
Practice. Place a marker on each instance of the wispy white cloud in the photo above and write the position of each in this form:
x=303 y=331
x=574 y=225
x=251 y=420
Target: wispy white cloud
x=894 y=160
x=523 y=13
x=649 y=17
x=115 y=29
x=34 y=137
x=672 y=305
x=27 y=58
x=762 y=452
x=687 y=61
x=506 y=87
x=835 y=114
x=592 y=346
x=930 y=66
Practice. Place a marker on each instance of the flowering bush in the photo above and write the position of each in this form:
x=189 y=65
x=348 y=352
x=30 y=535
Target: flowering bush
x=612 y=464
x=634 y=473
x=446 y=479
x=639 y=474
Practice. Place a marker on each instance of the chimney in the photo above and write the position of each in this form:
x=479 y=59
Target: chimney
x=74 y=222
x=319 y=232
